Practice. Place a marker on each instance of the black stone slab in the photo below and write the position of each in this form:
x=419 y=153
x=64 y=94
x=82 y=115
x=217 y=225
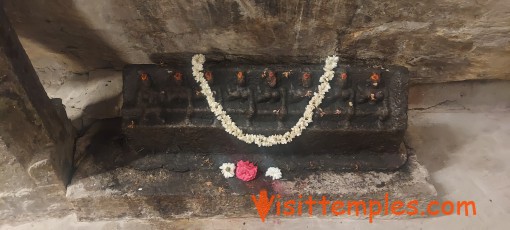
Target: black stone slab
x=164 y=112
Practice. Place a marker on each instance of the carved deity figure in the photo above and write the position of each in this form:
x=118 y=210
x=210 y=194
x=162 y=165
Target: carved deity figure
x=148 y=98
x=341 y=98
x=305 y=92
x=176 y=91
x=216 y=93
x=243 y=93
x=270 y=93
x=375 y=95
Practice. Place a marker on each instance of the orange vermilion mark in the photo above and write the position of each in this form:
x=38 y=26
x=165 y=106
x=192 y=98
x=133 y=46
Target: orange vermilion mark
x=307 y=76
x=343 y=76
x=240 y=75
x=375 y=77
x=144 y=76
x=178 y=76
x=272 y=75
x=208 y=76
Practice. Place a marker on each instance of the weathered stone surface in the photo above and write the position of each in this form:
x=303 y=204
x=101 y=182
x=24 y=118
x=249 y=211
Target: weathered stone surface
x=23 y=196
x=35 y=129
x=113 y=181
x=437 y=40
x=95 y=95
x=103 y=188
x=463 y=96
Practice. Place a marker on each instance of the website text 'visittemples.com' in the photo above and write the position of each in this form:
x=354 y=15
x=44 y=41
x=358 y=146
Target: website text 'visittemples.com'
x=371 y=208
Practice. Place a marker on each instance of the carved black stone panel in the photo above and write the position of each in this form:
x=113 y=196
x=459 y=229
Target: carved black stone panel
x=364 y=115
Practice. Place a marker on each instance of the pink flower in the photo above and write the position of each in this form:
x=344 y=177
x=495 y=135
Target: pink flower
x=246 y=171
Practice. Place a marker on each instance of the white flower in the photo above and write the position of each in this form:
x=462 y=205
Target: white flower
x=274 y=173
x=228 y=169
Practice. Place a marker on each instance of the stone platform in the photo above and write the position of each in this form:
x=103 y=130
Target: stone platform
x=113 y=182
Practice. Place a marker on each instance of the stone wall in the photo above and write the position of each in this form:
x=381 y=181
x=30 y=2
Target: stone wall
x=438 y=40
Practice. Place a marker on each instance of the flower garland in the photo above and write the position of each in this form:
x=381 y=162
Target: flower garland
x=230 y=127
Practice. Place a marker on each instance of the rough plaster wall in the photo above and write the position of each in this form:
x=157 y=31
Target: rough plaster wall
x=439 y=40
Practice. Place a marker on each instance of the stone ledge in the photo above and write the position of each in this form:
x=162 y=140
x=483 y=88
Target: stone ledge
x=126 y=192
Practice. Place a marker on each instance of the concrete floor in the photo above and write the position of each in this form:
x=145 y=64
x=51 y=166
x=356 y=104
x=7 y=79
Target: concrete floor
x=464 y=146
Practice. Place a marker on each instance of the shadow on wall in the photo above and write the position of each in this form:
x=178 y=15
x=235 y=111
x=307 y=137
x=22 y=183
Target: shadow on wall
x=58 y=25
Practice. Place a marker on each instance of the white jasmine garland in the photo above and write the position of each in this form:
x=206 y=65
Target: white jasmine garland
x=274 y=173
x=230 y=127
x=228 y=169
